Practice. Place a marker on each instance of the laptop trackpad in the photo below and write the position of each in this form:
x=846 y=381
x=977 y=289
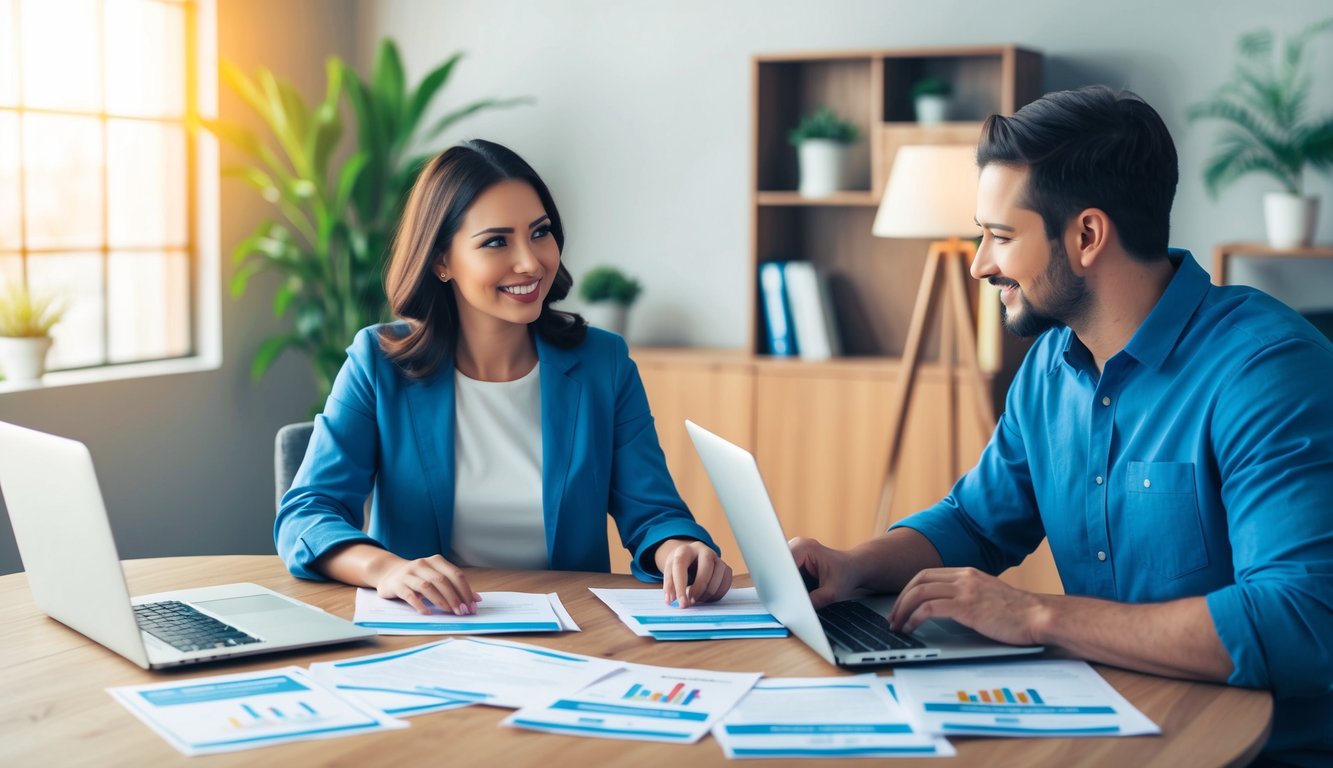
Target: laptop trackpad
x=237 y=606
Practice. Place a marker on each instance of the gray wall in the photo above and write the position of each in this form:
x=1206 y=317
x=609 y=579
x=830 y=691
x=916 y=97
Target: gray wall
x=641 y=127
x=186 y=462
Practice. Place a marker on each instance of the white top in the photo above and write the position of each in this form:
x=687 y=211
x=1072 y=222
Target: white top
x=498 y=521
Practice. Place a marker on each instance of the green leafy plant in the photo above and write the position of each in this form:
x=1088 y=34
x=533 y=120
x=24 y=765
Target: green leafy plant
x=1264 y=107
x=24 y=314
x=609 y=284
x=932 y=86
x=823 y=123
x=334 y=219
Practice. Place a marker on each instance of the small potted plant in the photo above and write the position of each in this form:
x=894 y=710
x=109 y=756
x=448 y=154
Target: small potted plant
x=608 y=293
x=930 y=98
x=25 y=332
x=821 y=139
x=1269 y=132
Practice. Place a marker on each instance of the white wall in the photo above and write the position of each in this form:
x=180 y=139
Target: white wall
x=186 y=462
x=641 y=127
x=642 y=123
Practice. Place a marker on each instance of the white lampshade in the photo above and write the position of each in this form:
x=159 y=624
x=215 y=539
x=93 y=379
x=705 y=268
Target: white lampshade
x=932 y=193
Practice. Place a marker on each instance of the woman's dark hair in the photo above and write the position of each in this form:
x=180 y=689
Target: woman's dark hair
x=1093 y=147
x=439 y=200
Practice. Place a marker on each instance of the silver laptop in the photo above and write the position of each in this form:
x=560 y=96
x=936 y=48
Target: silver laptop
x=844 y=633
x=64 y=539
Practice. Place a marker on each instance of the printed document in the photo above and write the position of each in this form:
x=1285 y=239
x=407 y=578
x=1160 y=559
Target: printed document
x=823 y=717
x=455 y=673
x=227 y=713
x=641 y=703
x=1013 y=698
x=738 y=614
x=496 y=612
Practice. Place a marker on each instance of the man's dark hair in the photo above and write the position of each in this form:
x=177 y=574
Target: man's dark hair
x=1093 y=147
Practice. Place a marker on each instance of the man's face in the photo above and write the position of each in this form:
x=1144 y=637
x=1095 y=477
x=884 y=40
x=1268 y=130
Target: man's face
x=1039 y=287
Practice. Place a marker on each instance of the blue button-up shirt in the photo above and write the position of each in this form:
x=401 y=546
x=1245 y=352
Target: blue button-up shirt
x=1198 y=462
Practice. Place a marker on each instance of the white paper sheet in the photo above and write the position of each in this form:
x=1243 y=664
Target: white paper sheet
x=453 y=673
x=738 y=614
x=641 y=703
x=823 y=717
x=496 y=612
x=1018 y=698
x=227 y=713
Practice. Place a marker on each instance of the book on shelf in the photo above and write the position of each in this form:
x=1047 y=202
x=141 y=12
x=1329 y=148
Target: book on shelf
x=812 y=311
x=777 y=313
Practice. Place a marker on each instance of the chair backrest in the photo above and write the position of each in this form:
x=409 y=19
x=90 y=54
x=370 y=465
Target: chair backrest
x=288 y=452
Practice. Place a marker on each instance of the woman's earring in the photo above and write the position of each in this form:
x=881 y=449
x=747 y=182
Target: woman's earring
x=444 y=277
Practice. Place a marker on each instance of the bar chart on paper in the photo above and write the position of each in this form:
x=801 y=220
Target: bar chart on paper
x=256 y=716
x=1003 y=696
x=676 y=695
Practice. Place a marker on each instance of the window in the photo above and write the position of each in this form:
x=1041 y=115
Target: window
x=99 y=170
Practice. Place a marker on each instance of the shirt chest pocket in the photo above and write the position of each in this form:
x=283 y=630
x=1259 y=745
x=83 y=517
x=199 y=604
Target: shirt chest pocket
x=1164 y=530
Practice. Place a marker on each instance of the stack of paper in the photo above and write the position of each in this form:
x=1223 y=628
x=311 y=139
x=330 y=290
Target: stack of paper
x=738 y=614
x=496 y=612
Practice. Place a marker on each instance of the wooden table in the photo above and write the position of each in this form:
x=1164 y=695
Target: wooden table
x=55 y=711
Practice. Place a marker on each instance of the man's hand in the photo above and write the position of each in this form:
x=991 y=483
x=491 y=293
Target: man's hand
x=832 y=570
x=974 y=599
x=675 y=558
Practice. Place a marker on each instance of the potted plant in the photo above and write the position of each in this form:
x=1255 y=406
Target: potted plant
x=609 y=294
x=335 y=211
x=25 y=332
x=1268 y=131
x=821 y=139
x=930 y=98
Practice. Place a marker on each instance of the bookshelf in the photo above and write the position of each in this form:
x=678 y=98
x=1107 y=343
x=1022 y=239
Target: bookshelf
x=819 y=430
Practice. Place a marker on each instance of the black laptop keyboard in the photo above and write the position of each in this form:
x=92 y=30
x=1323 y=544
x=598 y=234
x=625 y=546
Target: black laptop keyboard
x=186 y=628
x=857 y=627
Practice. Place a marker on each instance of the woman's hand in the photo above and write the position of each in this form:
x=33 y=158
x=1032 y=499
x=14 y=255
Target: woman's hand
x=677 y=558
x=431 y=579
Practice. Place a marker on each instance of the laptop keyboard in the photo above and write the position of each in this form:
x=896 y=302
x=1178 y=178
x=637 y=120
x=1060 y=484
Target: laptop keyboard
x=859 y=628
x=186 y=628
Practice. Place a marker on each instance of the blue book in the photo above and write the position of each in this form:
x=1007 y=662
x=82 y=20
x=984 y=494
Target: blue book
x=777 y=312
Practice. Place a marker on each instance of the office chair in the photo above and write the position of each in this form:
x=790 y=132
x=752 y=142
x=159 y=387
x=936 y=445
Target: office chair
x=288 y=451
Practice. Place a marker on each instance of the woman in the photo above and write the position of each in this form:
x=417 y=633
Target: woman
x=493 y=430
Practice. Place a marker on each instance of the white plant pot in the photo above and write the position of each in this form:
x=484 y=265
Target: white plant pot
x=822 y=167
x=23 y=359
x=932 y=109
x=607 y=315
x=1290 y=219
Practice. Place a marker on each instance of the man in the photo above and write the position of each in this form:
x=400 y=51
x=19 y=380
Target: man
x=1171 y=438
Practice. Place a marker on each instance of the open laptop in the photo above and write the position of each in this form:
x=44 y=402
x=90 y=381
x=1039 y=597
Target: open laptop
x=64 y=539
x=850 y=633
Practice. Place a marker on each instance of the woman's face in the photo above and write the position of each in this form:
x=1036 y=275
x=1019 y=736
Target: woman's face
x=503 y=259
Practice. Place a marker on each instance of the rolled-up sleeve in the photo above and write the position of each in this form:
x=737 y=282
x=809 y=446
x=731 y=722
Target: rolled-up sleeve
x=1276 y=461
x=325 y=507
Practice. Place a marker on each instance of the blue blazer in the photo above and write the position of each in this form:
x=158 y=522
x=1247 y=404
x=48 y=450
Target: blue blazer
x=384 y=434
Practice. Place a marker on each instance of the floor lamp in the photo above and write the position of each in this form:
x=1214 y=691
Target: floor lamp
x=932 y=194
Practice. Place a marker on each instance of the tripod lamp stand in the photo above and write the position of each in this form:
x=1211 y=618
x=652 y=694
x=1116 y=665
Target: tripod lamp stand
x=932 y=194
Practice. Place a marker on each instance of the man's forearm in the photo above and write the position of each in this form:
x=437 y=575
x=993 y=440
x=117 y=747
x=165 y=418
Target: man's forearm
x=1176 y=639
x=885 y=564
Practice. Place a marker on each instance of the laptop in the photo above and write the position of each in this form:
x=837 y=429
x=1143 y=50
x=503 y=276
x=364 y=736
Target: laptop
x=64 y=539
x=851 y=633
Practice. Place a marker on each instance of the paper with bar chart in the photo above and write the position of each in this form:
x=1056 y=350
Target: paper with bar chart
x=641 y=703
x=458 y=672
x=823 y=717
x=496 y=612
x=1033 y=698
x=227 y=713
x=739 y=614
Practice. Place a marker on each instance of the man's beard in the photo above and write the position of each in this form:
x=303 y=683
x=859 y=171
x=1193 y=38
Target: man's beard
x=1066 y=302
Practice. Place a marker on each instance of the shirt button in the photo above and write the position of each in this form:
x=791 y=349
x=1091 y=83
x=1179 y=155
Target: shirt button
x=1106 y=400
x=1101 y=555
x=1147 y=483
x=1098 y=480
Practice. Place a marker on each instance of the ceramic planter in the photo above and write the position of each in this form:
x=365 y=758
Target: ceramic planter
x=822 y=165
x=607 y=315
x=1290 y=219
x=931 y=109
x=23 y=359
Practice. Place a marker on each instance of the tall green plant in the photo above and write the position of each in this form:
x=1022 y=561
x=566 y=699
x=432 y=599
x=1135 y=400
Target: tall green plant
x=1264 y=106
x=333 y=218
